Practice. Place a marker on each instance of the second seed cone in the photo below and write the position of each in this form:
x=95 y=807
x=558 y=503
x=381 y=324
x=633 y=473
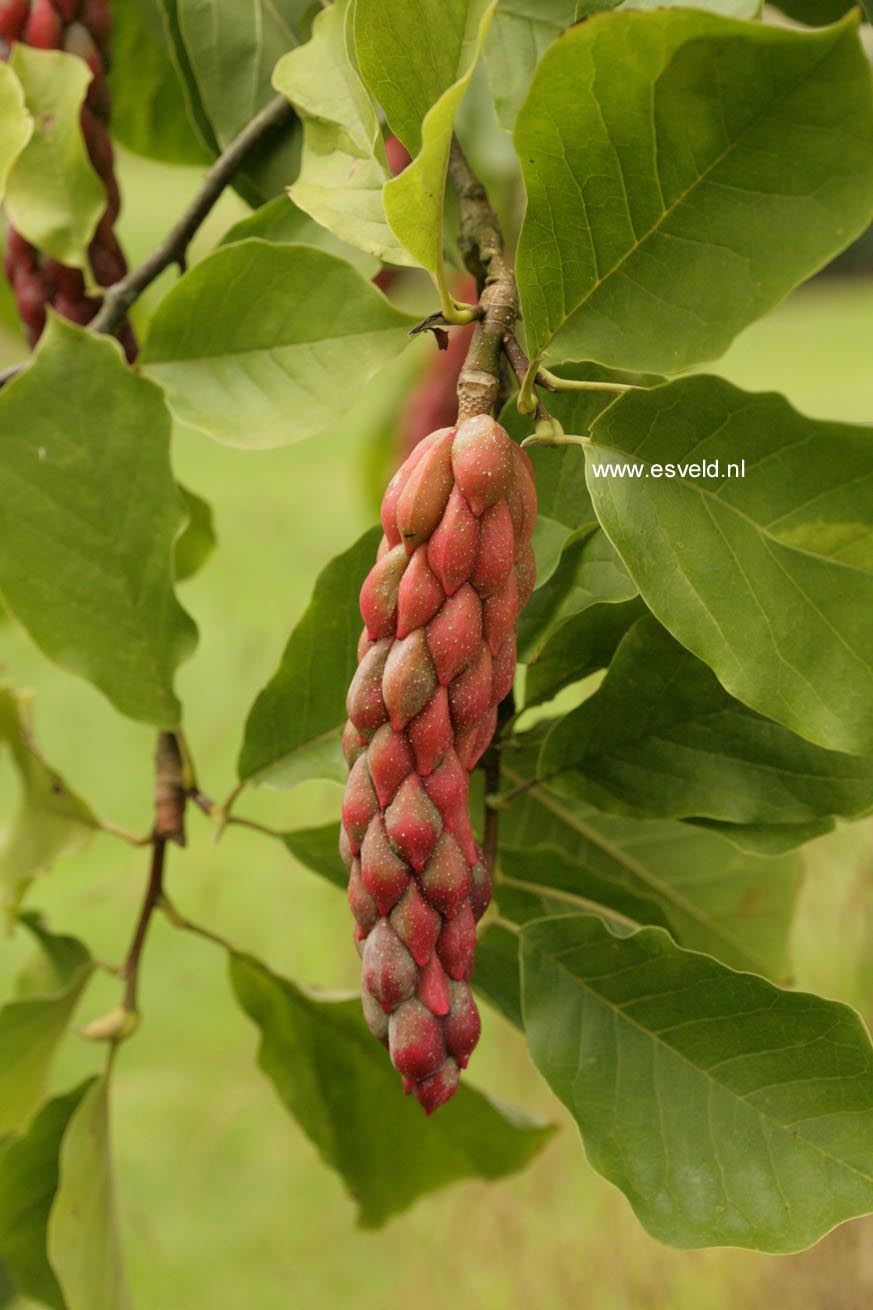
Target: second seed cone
x=436 y=657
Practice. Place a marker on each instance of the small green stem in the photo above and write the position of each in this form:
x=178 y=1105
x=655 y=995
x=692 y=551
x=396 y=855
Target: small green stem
x=556 y=383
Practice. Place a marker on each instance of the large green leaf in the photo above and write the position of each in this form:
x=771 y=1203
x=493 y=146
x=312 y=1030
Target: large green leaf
x=343 y=167
x=53 y=195
x=766 y=576
x=88 y=517
x=582 y=645
x=417 y=58
x=318 y=849
x=683 y=173
x=197 y=540
x=338 y=1082
x=294 y=727
x=590 y=573
x=16 y=124
x=520 y=33
x=30 y=1031
x=84 y=1242
x=280 y=221
x=262 y=345
x=815 y=12
x=730 y=1113
x=28 y=1182
x=661 y=737
x=169 y=28
x=149 y=113
x=51 y=820
x=710 y=894
x=232 y=49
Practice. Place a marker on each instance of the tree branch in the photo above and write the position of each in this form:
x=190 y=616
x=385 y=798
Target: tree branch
x=481 y=243
x=154 y=892
x=121 y=295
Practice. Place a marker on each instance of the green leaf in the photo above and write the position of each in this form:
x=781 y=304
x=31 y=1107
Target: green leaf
x=232 y=49
x=590 y=573
x=318 y=849
x=28 y=1182
x=84 y=1242
x=262 y=345
x=280 y=221
x=520 y=33
x=766 y=576
x=16 y=124
x=417 y=58
x=343 y=166
x=728 y=8
x=53 y=195
x=197 y=541
x=661 y=737
x=338 y=1082
x=815 y=13
x=294 y=727
x=678 y=194
x=30 y=1031
x=149 y=113
x=710 y=894
x=496 y=973
x=88 y=518
x=167 y=12
x=59 y=957
x=730 y=1113
x=579 y=647
x=51 y=820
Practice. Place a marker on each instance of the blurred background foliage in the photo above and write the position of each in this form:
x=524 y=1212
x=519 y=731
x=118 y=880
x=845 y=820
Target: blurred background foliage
x=224 y=1202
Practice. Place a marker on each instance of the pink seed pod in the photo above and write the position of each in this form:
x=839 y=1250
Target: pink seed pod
x=422 y=501
x=415 y=1040
x=409 y=679
x=383 y=872
x=413 y=823
x=454 y=546
x=13 y=16
x=419 y=596
x=436 y=657
x=455 y=634
x=389 y=971
x=44 y=29
x=482 y=462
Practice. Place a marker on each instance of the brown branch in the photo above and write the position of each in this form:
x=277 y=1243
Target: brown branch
x=154 y=892
x=173 y=249
x=481 y=243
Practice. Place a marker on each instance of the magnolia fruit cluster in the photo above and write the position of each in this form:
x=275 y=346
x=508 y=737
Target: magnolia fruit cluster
x=83 y=28
x=436 y=657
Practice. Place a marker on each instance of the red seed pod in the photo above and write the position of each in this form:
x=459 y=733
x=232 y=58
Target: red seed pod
x=526 y=488
x=455 y=634
x=525 y=575
x=419 y=596
x=445 y=879
x=454 y=545
x=364 y=703
x=422 y=501
x=360 y=803
x=67 y=9
x=391 y=760
x=409 y=679
x=433 y=987
x=384 y=874
x=482 y=461
x=68 y=281
x=379 y=593
x=75 y=311
x=503 y=670
x=362 y=905
x=374 y=1016
x=353 y=744
x=96 y=15
x=448 y=788
x=433 y=1092
x=480 y=888
x=44 y=29
x=497 y=550
x=472 y=744
x=431 y=733
x=415 y=1040
x=389 y=971
x=413 y=823
x=347 y=855
x=462 y=1025
x=470 y=692
x=416 y=923
x=13 y=16
x=500 y=614
x=396 y=485
x=457 y=943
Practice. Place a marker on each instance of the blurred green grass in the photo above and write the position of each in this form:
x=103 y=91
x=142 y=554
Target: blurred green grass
x=224 y=1202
